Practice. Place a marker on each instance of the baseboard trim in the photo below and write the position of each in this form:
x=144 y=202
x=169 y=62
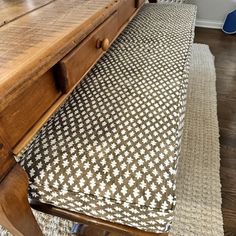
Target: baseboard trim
x=209 y=24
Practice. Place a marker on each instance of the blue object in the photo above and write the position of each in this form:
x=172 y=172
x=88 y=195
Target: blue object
x=76 y=228
x=230 y=23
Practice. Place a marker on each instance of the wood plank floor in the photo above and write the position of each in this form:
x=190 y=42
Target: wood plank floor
x=223 y=48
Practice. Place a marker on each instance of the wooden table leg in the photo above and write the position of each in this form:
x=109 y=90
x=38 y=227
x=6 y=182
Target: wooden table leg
x=15 y=212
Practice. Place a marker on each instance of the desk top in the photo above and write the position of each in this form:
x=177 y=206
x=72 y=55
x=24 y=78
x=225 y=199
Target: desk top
x=11 y=10
x=35 y=34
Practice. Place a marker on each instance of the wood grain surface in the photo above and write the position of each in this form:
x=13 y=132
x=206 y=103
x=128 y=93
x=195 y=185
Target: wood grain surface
x=14 y=208
x=7 y=160
x=24 y=111
x=11 y=10
x=33 y=43
x=95 y=226
x=77 y=62
x=28 y=103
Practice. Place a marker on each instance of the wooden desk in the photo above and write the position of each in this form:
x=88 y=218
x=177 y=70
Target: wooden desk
x=46 y=47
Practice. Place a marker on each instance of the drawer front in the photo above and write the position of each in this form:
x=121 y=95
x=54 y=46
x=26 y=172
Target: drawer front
x=126 y=10
x=22 y=113
x=77 y=63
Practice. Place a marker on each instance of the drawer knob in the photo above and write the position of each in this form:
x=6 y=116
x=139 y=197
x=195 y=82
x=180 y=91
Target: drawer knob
x=103 y=44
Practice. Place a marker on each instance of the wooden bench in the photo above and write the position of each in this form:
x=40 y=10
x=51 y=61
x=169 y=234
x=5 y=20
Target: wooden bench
x=45 y=50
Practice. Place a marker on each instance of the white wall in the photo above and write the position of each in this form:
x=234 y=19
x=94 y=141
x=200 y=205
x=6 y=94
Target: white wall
x=211 y=13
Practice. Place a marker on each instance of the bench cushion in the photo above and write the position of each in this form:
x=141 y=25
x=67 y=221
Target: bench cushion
x=111 y=150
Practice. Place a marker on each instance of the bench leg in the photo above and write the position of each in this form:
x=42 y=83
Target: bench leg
x=15 y=212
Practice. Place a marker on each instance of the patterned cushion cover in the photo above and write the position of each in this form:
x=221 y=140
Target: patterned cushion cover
x=111 y=150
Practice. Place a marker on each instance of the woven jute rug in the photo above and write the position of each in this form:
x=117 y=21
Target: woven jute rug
x=198 y=210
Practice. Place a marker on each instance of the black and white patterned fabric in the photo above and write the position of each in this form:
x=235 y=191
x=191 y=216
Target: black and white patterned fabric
x=111 y=150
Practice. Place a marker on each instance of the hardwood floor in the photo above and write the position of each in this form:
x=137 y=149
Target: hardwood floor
x=223 y=48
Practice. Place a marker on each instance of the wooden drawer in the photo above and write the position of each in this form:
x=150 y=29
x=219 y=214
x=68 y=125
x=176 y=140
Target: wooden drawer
x=22 y=113
x=126 y=10
x=76 y=64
